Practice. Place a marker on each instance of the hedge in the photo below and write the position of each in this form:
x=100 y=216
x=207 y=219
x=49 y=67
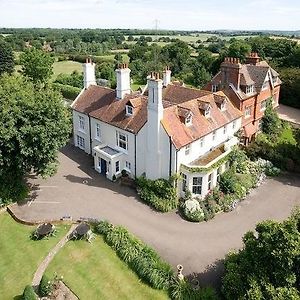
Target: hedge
x=159 y=193
x=68 y=91
x=29 y=293
x=45 y=286
x=147 y=264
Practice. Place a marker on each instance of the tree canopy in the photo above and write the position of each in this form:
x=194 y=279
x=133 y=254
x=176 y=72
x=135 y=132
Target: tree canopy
x=37 y=65
x=268 y=266
x=35 y=124
x=7 y=63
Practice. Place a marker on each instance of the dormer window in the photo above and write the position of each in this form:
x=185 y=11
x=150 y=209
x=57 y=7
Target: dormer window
x=214 y=88
x=207 y=112
x=129 y=110
x=188 y=120
x=249 y=89
x=265 y=85
x=223 y=106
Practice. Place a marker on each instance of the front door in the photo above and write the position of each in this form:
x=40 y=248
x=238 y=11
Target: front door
x=103 y=167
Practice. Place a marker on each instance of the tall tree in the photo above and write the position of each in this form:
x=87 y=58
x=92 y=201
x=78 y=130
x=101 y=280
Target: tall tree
x=37 y=65
x=271 y=123
x=268 y=266
x=239 y=49
x=7 y=63
x=34 y=125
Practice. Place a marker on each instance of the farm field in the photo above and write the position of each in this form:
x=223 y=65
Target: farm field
x=66 y=67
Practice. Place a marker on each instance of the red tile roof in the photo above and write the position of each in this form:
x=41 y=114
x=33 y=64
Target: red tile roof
x=178 y=101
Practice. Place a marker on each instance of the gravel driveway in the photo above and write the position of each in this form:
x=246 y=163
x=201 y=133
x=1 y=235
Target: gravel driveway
x=77 y=190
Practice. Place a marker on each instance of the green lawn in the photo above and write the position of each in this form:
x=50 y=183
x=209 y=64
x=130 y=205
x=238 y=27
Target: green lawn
x=94 y=271
x=20 y=256
x=66 y=67
x=287 y=136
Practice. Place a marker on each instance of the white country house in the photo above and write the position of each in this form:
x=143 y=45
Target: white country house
x=165 y=129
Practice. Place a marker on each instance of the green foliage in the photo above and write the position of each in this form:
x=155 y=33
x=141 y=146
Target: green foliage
x=45 y=286
x=271 y=123
x=68 y=91
x=268 y=265
x=159 y=193
x=29 y=293
x=290 y=88
x=35 y=124
x=239 y=49
x=147 y=264
x=228 y=182
x=7 y=63
x=37 y=65
x=140 y=258
x=182 y=290
x=75 y=79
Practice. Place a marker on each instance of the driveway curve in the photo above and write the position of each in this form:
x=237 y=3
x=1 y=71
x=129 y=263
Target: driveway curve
x=78 y=191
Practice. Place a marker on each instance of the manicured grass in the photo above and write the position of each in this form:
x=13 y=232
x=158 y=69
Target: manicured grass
x=94 y=271
x=66 y=67
x=20 y=256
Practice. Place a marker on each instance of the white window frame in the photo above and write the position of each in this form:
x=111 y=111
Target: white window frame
x=263 y=105
x=201 y=142
x=184 y=182
x=81 y=123
x=265 y=85
x=128 y=165
x=207 y=112
x=209 y=181
x=122 y=143
x=259 y=125
x=188 y=120
x=187 y=149
x=117 y=166
x=214 y=134
x=224 y=129
x=223 y=106
x=80 y=142
x=234 y=124
x=214 y=88
x=129 y=110
x=197 y=185
x=97 y=132
x=248 y=110
x=249 y=89
x=219 y=172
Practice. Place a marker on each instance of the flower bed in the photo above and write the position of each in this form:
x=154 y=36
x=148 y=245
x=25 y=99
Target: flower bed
x=234 y=185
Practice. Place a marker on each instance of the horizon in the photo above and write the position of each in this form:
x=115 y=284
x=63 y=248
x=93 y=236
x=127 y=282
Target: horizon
x=254 y=15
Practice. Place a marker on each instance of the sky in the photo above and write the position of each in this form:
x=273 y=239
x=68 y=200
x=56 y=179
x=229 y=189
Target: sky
x=171 y=14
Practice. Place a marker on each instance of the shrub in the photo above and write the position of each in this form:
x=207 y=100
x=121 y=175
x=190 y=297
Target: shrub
x=68 y=92
x=141 y=258
x=182 y=290
x=193 y=211
x=227 y=182
x=159 y=193
x=29 y=293
x=45 y=286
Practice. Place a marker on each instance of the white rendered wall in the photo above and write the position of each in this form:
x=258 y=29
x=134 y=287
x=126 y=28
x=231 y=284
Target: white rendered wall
x=83 y=133
x=123 y=82
x=108 y=137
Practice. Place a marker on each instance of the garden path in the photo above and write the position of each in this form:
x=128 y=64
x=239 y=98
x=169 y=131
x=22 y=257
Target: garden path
x=44 y=264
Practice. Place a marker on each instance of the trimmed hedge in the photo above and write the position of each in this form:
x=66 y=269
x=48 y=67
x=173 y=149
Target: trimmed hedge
x=147 y=264
x=68 y=91
x=159 y=193
x=29 y=293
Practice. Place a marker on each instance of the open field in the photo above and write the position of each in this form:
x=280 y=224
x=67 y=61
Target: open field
x=66 y=67
x=283 y=37
x=20 y=256
x=94 y=271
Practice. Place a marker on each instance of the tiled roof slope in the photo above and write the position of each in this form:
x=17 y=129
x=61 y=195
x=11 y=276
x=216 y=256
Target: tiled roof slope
x=101 y=103
x=182 y=135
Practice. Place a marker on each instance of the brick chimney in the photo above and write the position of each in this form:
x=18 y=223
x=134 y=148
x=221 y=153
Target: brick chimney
x=253 y=58
x=166 y=76
x=123 y=81
x=89 y=77
x=230 y=71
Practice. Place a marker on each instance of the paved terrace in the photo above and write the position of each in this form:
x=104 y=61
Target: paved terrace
x=79 y=191
x=289 y=114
